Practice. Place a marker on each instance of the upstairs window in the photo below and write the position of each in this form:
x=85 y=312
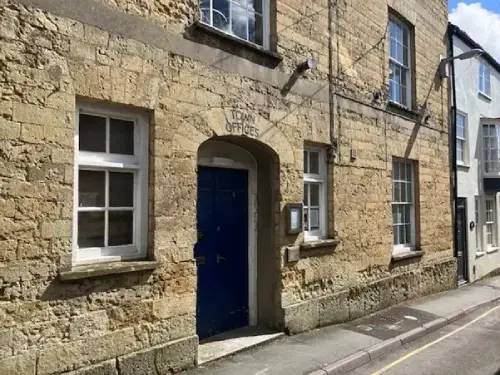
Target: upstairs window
x=315 y=199
x=399 y=63
x=491 y=137
x=484 y=78
x=245 y=19
x=491 y=234
x=461 y=139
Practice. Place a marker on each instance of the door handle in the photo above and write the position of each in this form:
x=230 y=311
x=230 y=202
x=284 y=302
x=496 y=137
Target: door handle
x=219 y=258
x=200 y=260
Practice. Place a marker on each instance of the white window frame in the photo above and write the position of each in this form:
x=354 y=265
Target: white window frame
x=321 y=179
x=463 y=140
x=493 y=163
x=266 y=15
x=410 y=245
x=137 y=163
x=393 y=61
x=478 y=227
x=490 y=226
x=484 y=78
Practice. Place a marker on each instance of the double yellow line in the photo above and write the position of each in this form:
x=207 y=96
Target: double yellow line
x=426 y=346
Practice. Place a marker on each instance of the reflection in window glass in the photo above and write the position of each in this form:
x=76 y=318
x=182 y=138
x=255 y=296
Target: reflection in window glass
x=90 y=229
x=92 y=133
x=243 y=19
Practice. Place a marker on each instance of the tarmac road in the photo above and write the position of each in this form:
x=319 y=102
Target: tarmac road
x=469 y=346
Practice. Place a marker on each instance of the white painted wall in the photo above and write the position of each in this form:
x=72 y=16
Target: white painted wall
x=475 y=106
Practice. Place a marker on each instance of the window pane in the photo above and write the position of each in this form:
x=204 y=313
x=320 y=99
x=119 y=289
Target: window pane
x=407 y=209
x=121 y=189
x=121 y=137
x=256 y=30
x=121 y=228
x=205 y=11
x=408 y=233
x=409 y=171
x=90 y=229
x=220 y=15
x=240 y=19
x=396 y=215
x=314 y=194
x=314 y=162
x=314 y=218
x=306 y=162
x=395 y=171
x=91 y=185
x=92 y=133
x=402 y=235
x=306 y=195
x=306 y=219
x=397 y=192
x=403 y=189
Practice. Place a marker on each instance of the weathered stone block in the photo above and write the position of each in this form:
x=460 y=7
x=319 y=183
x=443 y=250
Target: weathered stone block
x=56 y=229
x=142 y=362
x=301 y=317
x=333 y=309
x=104 y=368
x=6 y=343
x=173 y=306
x=19 y=365
x=88 y=325
x=64 y=357
x=32 y=114
x=82 y=50
x=9 y=129
x=177 y=355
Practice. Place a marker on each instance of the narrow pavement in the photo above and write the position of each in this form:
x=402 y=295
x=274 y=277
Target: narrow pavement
x=477 y=345
x=469 y=346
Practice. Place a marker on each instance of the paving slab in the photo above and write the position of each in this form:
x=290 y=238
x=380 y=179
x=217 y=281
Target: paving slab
x=493 y=282
x=448 y=302
x=293 y=355
x=391 y=322
x=234 y=341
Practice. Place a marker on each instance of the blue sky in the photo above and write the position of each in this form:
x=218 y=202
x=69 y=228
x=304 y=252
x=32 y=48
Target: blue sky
x=479 y=19
x=492 y=5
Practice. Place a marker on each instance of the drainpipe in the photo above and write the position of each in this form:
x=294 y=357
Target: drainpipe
x=331 y=104
x=453 y=140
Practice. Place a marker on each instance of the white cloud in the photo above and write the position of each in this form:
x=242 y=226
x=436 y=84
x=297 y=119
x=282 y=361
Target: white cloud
x=481 y=24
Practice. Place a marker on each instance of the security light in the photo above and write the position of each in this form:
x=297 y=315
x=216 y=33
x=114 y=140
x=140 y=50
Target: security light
x=309 y=64
x=443 y=64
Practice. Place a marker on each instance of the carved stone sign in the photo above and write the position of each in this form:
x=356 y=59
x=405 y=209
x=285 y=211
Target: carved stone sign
x=242 y=123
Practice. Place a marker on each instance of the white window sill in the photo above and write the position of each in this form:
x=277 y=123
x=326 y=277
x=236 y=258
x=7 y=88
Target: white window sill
x=314 y=244
x=103 y=269
x=399 y=105
x=405 y=254
x=492 y=250
x=461 y=164
x=484 y=95
x=480 y=254
x=232 y=38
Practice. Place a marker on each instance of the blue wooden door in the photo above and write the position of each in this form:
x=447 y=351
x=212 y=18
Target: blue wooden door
x=222 y=250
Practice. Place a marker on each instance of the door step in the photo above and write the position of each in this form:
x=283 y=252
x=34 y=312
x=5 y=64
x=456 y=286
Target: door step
x=231 y=342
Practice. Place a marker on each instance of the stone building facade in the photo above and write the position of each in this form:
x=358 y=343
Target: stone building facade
x=132 y=133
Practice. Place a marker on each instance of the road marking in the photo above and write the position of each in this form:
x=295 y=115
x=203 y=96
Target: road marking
x=422 y=348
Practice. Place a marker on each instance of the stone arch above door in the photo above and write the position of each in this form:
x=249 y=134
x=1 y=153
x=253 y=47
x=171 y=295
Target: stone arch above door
x=238 y=122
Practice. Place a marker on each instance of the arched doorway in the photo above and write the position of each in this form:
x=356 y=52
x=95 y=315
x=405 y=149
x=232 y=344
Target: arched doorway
x=235 y=250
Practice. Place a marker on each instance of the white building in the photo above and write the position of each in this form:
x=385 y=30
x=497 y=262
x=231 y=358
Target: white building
x=477 y=85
